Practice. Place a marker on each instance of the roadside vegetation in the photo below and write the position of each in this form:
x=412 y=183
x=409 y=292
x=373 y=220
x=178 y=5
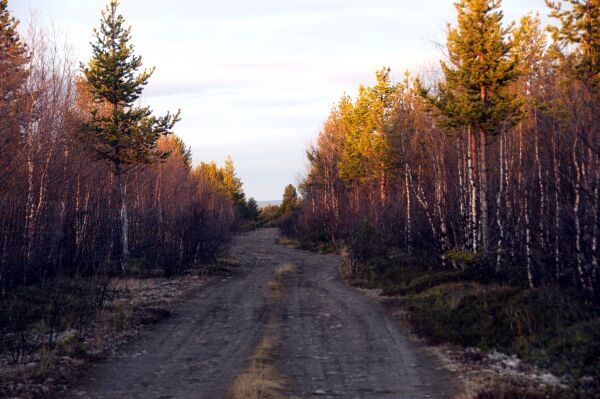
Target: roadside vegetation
x=470 y=195
x=98 y=199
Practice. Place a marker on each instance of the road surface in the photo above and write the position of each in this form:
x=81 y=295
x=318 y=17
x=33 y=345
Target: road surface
x=335 y=342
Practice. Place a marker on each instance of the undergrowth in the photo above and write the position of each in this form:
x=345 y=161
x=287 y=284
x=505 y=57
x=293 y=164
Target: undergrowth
x=553 y=327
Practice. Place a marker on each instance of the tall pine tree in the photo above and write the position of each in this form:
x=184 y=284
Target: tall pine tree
x=118 y=131
x=475 y=92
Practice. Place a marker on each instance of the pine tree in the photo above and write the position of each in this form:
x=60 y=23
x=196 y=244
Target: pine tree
x=119 y=132
x=13 y=73
x=252 y=211
x=367 y=152
x=290 y=199
x=579 y=26
x=232 y=184
x=184 y=151
x=478 y=75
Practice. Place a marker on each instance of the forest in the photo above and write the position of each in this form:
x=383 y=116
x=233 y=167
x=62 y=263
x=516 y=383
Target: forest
x=466 y=195
x=483 y=171
x=497 y=157
x=93 y=185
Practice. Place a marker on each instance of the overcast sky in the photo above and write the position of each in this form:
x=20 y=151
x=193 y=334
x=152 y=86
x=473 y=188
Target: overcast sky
x=257 y=78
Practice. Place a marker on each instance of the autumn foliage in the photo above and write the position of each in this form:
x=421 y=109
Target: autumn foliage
x=91 y=189
x=495 y=159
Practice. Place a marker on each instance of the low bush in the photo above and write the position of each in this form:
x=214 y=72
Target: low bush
x=506 y=392
x=32 y=317
x=551 y=327
x=423 y=282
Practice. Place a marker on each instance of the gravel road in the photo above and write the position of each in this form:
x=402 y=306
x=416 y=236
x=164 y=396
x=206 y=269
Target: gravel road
x=336 y=342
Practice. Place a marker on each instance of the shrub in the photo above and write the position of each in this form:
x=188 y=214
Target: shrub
x=424 y=282
x=32 y=316
x=551 y=327
x=464 y=259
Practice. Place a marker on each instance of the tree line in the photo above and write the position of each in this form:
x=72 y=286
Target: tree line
x=493 y=158
x=92 y=183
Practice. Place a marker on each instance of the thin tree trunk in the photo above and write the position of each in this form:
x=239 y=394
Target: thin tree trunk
x=519 y=189
x=542 y=191
x=472 y=166
x=464 y=220
x=123 y=221
x=382 y=185
x=422 y=198
x=499 y=206
x=30 y=206
x=578 y=230
x=596 y=221
x=408 y=228
x=483 y=191
x=158 y=200
x=557 y=208
x=528 y=250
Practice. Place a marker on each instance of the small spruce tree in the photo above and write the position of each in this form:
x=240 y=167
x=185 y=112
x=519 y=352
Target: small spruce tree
x=252 y=210
x=290 y=199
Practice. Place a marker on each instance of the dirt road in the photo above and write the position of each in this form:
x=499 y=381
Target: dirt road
x=335 y=341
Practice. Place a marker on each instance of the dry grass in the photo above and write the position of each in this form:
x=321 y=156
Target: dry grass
x=134 y=284
x=275 y=283
x=259 y=380
x=285 y=270
x=288 y=242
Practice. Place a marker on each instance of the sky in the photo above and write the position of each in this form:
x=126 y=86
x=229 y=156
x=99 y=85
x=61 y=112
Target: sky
x=256 y=79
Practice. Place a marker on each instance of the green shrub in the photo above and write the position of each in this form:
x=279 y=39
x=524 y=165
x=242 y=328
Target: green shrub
x=548 y=326
x=464 y=259
x=365 y=244
x=485 y=306
x=576 y=350
x=423 y=282
x=28 y=313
